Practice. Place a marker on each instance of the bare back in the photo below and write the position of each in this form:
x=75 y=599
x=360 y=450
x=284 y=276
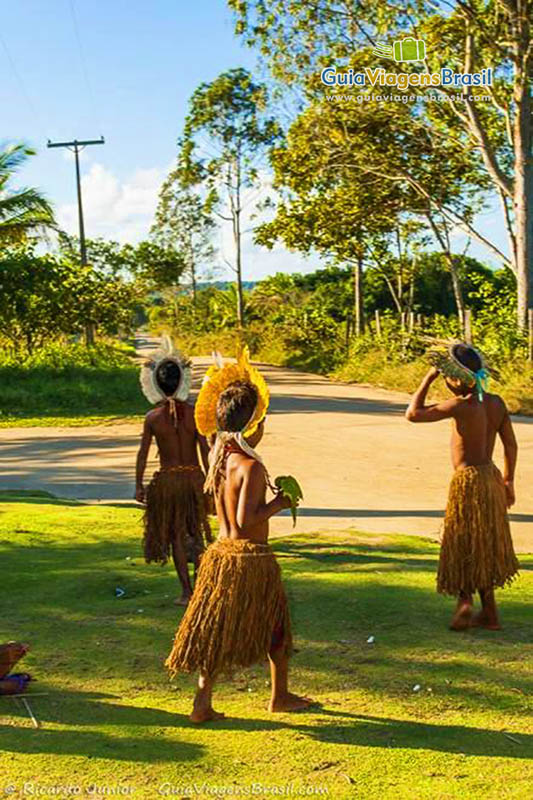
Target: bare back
x=241 y=492
x=177 y=444
x=475 y=426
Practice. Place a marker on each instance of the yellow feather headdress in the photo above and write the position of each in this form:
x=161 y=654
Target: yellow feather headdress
x=218 y=377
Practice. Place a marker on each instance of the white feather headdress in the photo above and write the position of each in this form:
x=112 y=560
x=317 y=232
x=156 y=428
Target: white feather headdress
x=148 y=376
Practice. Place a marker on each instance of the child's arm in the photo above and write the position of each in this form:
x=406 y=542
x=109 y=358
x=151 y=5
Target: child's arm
x=510 y=454
x=142 y=457
x=252 y=509
x=204 y=451
x=418 y=411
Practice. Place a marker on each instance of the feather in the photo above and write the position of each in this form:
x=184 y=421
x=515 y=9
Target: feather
x=166 y=352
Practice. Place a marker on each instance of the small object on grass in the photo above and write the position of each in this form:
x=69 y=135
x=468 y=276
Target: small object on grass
x=128 y=558
x=290 y=487
x=416 y=687
x=140 y=611
x=512 y=738
x=119 y=592
x=27 y=706
x=370 y=640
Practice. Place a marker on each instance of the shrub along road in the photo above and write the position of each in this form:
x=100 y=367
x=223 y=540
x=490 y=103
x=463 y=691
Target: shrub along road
x=360 y=463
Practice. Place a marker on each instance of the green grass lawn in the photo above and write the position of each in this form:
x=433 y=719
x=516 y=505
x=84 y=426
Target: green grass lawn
x=70 y=397
x=111 y=717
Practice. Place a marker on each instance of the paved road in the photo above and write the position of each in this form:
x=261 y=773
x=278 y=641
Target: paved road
x=361 y=465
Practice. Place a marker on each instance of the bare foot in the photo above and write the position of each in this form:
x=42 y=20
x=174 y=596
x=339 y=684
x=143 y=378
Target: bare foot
x=485 y=620
x=199 y=715
x=183 y=600
x=289 y=702
x=462 y=617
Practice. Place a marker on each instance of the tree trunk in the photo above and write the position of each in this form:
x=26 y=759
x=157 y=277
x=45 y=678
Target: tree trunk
x=358 y=297
x=523 y=204
x=443 y=240
x=236 y=214
x=238 y=268
x=457 y=289
x=89 y=334
x=193 y=283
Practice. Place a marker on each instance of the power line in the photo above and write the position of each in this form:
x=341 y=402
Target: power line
x=83 y=60
x=21 y=84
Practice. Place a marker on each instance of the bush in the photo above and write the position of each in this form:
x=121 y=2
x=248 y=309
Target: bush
x=70 y=380
x=61 y=355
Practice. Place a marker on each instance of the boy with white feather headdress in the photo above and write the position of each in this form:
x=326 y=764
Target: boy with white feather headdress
x=176 y=517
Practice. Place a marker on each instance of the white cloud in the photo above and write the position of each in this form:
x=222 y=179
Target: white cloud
x=114 y=209
x=124 y=211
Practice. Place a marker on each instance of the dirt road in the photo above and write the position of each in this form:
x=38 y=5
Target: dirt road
x=360 y=464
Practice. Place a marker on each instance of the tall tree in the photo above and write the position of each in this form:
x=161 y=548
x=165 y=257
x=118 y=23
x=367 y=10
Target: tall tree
x=151 y=264
x=464 y=36
x=226 y=134
x=22 y=211
x=183 y=222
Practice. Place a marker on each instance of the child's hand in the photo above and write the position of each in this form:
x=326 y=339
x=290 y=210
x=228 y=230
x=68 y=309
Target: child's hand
x=509 y=493
x=432 y=374
x=285 y=501
x=140 y=494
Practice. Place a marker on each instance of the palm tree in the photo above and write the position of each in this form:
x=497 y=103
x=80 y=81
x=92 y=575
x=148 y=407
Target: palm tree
x=24 y=210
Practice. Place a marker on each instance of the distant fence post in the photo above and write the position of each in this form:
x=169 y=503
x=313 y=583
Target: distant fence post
x=468 y=326
x=378 y=323
x=530 y=327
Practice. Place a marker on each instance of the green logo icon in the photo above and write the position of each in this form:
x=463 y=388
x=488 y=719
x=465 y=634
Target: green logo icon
x=409 y=49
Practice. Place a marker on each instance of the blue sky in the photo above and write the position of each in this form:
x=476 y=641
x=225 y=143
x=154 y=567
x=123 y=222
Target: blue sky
x=143 y=60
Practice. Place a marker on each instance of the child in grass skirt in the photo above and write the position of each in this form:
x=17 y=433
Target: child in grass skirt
x=238 y=614
x=477 y=552
x=176 y=517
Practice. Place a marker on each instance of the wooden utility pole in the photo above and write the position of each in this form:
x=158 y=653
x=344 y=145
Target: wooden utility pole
x=76 y=147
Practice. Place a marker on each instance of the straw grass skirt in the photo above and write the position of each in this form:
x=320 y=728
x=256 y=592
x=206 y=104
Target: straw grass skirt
x=176 y=512
x=237 y=610
x=477 y=550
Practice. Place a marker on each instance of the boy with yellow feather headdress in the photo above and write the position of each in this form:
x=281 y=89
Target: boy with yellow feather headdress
x=175 y=520
x=477 y=552
x=238 y=613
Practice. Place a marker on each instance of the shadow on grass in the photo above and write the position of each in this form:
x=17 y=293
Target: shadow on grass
x=60 y=595
x=82 y=711
x=330 y=727
x=339 y=727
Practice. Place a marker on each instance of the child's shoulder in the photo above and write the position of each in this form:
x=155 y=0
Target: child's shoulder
x=495 y=400
x=153 y=413
x=252 y=468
